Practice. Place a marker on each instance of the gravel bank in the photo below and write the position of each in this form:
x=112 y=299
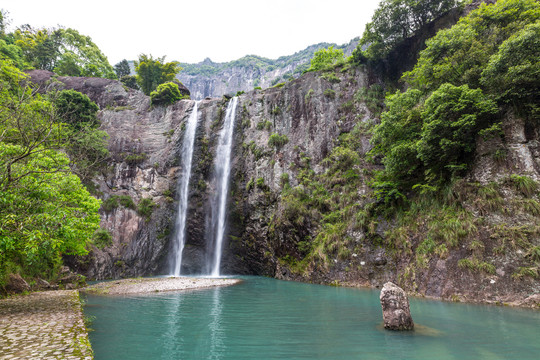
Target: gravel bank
x=153 y=285
x=43 y=325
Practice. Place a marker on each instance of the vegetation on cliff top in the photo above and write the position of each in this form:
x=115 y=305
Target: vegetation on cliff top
x=153 y=72
x=63 y=51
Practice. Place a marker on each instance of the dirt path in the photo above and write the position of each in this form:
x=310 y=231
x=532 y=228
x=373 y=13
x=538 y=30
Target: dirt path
x=43 y=325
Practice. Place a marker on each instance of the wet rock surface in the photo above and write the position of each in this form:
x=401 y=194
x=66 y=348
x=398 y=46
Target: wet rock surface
x=395 y=308
x=43 y=325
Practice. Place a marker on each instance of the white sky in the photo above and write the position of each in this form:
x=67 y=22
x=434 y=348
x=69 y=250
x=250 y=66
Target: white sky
x=189 y=31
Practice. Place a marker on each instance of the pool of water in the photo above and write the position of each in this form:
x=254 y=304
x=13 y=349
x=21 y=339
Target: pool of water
x=270 y=319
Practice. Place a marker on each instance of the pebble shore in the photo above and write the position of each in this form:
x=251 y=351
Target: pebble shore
x=154 y=285
x=43 y=325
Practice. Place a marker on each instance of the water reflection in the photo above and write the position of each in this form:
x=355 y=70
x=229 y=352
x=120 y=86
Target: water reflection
x=215 y=326
x=173 y=337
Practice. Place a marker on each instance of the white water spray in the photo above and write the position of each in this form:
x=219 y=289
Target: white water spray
x=183 y=189
x=222 y=170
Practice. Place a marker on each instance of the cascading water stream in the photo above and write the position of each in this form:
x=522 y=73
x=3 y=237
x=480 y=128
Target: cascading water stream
x=222 y=169
x=183 y=189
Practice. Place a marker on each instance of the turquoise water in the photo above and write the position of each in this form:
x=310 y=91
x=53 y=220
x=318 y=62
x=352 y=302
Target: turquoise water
x=271 y=319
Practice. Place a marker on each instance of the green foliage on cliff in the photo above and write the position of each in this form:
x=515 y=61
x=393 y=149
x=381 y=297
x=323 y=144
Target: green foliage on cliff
x=45 y=211
x=431 y=141
x=317 y=214
x=153 y=72
x=515 y=70
x=278 y=141
x=396 y=20
x=166 y=94
x=428 y=134
x=326 y=58
x=76 y=109
x=421 y=206
x=64 y=51
x=460 y=54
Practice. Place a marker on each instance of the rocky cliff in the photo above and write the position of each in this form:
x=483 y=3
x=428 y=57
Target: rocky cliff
x=301 y=204
x=310 y=115
x=210 y=79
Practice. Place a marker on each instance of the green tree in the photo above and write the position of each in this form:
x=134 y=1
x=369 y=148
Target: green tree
x=122 y=69
x=45 y=212
x=396 y=137
x=84 y=143
x=326 y=58
x=153 y=72
x=166 y=94
x=76 y=109
x=396 y=20
x=64 y=51
x=514 y=71
x=13 y=53
x=459 y=55
x=453 y=118
x=40 y=47
x=130 y=81
x=26 y=120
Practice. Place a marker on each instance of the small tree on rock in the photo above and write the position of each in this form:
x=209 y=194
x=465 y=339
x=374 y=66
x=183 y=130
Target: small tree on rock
x=122 y=69
x=166 y=94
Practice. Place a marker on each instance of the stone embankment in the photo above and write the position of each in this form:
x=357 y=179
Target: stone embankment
x=43 y=325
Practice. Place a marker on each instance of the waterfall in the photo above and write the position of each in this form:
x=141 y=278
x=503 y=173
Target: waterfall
x=183 y=189
x=222 y=168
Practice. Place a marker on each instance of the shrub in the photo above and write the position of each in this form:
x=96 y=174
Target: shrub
x=130 y=81
x=166 y=94
x=146 y=207
x=76 y=108
x=134 y=159
x=453 y=117
x=264 y=125
x=102 y=238
x=326 y=58
x=112 y=202
x=278 y=141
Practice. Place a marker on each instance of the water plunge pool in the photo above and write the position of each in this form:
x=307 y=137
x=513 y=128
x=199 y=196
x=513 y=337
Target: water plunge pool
x=265 y=318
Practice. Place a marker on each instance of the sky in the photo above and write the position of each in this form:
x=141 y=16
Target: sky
x=190 y=31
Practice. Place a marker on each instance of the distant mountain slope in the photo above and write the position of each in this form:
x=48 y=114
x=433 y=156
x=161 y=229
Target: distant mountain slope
x=210 y=79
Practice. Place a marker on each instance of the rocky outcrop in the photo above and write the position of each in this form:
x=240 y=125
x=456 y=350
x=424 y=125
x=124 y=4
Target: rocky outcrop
x=395 y=308
x=144 y=147
x=15 y=284
x=210 y=79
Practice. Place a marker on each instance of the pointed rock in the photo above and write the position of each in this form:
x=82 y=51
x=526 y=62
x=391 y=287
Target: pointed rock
x=395 y=308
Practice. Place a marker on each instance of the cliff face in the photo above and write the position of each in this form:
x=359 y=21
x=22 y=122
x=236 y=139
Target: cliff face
x=498 y=233
x=209 y=79
x=144 y=158
x=283 y=136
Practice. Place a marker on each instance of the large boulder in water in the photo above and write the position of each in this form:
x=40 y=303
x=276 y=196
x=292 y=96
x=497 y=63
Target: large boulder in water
x=395 y=308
